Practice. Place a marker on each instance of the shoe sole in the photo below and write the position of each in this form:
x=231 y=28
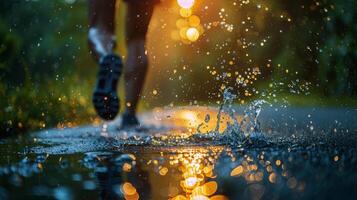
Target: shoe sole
x=105 y=98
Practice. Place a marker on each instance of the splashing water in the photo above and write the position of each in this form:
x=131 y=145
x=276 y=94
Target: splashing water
x=250 y=124
x=235 y=132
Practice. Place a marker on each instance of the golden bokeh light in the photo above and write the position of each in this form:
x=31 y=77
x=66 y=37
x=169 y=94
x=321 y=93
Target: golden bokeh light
x=186 y=3
x=181 y=23
x=195 y=165
x=132 y=197
x=218 y=197
x=237 y=171
x=272 y=178
x=190 y=182
x=200 y=197
x=194 y=20
x=185 y=12
x=179 y=197
x=127 y=167
x=183 y=33
x=189 y=26
x=192 y=34
x=209 y=188
x=128 y=189
x=163 y=171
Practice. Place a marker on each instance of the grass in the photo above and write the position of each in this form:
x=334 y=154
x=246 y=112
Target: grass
x=37 y=106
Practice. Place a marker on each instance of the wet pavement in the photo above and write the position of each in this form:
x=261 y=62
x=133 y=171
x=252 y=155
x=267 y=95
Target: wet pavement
x=180 y=153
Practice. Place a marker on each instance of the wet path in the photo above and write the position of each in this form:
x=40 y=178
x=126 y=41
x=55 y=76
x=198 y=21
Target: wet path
x=299 y=153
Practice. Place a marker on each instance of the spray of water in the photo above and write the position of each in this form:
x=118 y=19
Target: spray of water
x=248 y=129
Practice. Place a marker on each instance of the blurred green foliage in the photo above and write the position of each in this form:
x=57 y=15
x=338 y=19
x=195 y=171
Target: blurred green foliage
x=299 y=47
x=40 y=82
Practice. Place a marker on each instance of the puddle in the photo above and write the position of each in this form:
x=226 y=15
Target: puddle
x=181 y=153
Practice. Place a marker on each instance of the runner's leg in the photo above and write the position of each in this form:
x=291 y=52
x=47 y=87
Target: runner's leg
x=137 y=22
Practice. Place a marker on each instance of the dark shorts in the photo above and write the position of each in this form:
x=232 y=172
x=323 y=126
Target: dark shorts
x=138 y=17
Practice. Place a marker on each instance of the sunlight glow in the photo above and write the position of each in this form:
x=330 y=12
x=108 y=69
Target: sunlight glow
x=192 y=34
x=190 y=182
x=185 y=3
x=189 y=26
x=190 y=117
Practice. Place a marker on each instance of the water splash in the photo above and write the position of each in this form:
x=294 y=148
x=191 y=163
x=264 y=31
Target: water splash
x=248 y=129
x=250 y=124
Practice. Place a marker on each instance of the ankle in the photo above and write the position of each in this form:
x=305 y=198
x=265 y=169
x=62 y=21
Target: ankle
x=101 y=42
x=129 y=120
x=129 y=112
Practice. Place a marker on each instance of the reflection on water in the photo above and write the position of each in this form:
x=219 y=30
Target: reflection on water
x=196 y=166
x=190 y=174
x=215 y=173
x=192 y=120
x=181 y=156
